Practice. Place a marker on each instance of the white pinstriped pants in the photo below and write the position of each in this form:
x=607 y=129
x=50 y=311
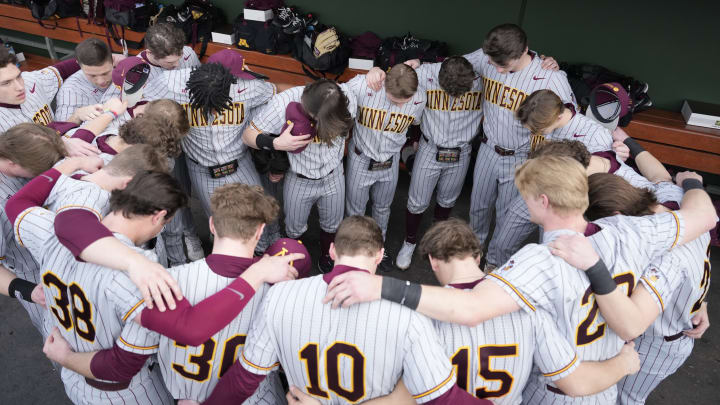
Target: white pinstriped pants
x=301 y=194
x=172 y=233
x=493 y=183
x=511 y=233
x=428 y=173
x=361 y=184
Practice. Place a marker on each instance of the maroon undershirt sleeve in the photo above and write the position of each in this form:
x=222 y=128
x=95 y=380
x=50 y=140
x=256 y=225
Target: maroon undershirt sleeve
x=61 y=127
x=84 y=134
x=77 y=228
x=192 y=325
x=117 y=364
x=609 y=155
x=457 y=396
x=32 y=194
x=235 y=386
x=67 y=67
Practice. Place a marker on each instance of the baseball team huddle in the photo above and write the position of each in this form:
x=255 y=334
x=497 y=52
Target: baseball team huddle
x=99 y=155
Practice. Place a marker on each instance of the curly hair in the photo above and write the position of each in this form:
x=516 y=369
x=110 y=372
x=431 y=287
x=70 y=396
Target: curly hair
x=209 y=88
x=172 y=110
x=157 y=131
x=164 y=39
x=450 y=239
x=456 y=76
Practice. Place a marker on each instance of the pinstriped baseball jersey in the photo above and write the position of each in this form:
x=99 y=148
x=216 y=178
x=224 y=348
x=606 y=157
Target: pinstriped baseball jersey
x=191 y=372
x=70 y=193
x=667 y=191
x=77 y=91
x=345 y=355
x=448 y=121
x=93 y=307
x=580 y=128
x=537 y=279
x=380 y=125
x=217 y=139
x=493 y=360
x=505 y=92
x=317 y=159
x=40 y=89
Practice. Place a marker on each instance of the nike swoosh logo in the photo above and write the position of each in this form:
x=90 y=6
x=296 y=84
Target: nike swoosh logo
x=49 y=179
x=578 y=136
x=33 y=88
x=187 y=57
x=240 y=91
x=417 y=102
x=242 y=296
x=477 y=77
x=537 y=78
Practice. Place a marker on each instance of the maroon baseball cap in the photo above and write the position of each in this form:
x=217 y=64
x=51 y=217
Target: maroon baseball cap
x=609 y=103
x=285 y=246
x=235 y=62
x=130 y=76
x=302 y=123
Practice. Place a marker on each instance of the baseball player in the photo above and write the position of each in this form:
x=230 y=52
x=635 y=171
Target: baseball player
x=92 y=305
x=342 y=356
x=669 y=299
x=239 y=214
x=322 y=114
x=510 y=73
x=381 y=126
x=534 y=279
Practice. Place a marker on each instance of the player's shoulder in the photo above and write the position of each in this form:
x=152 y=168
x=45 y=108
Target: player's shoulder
x=75 y=83
x=428 y=74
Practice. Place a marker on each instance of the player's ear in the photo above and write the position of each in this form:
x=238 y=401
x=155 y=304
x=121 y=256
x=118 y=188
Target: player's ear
x=433 y=262
x=379 y=256
x=545 y=200
x=259 y=231
x=211 y=225
x=124 y=182
x=331 y=251
x=159 y=217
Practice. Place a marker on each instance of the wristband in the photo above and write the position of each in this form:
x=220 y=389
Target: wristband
x=691 y=184
x=265 y=142
x=634 y=146
x=601 y=281
x=24 y=287
x=401 y=292
x=114 y=114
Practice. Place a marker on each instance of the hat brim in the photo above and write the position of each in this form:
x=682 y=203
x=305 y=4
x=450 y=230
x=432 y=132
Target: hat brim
x=605 y=111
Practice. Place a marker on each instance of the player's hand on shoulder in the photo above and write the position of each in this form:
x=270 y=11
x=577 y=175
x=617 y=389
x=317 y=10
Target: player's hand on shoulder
x=701 y=320
x=296 y=396
x=56 y=348
x=116 y=105
x=156 y=285
x=374 y=78
x=549 y=63
x=272 y=269
x=38 y=295
x=353 y=287
x=89 y=164
x=288 y=142
x=682 y=176
x=87 y=113
x=621 y=150
x=630 y=357
x=77 y=147
x=575 y=249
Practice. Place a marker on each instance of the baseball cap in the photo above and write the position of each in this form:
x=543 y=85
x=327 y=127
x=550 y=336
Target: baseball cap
x=302 y=123
x=130 y=75
x=609 y=104
x=285 y=246
x=235 y=62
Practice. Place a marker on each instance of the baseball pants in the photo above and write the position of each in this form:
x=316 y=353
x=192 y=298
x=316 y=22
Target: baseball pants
x=658 y=360
x=203 y=186
x=493 y=183
x=362 y=183
x=511 y=233
x=181 y=222
x=301 y=194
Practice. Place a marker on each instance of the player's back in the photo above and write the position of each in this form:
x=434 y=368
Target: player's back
x=191 y=372
x=346 y=355
x=69 y=193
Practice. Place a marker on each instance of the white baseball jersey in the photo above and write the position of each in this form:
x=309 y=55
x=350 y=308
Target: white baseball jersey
x=345 y=355
x=594 y=136
x=76 y=92
x=667 y=191
x=317 y=159
x=538 y=280
x=191 y=372
x=69 y=193
x=449 y=121
x=505 y=92
x=93 y=307
x=217 y=139
x=493 y=360
x=381 y=126
x=40 y=89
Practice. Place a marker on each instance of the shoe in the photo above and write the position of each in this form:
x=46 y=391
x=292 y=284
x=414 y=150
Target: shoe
x=194 y=248
x=325 y=265
x=386 y=264
x=405 y=255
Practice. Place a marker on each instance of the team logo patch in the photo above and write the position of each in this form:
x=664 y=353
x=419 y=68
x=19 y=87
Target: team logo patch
x=509 y=265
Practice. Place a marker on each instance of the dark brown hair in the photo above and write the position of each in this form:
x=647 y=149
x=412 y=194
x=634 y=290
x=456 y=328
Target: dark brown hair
x=450 y=239
x=401 y=81
x=539 y=111
x=164 y=40
x=172 y=110
x=238 y=209
x=7 y=58
x=456 y=76
x=34 y=147
x=93 y=52
x=358 y=235
x=611 y=194
x=505 y=43
x=328 y=105
x=156 y=131
x=137 y=159
x=148 y=193
x=572 y=149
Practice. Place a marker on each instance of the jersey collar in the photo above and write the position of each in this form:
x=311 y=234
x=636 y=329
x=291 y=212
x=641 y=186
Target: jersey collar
x=338 y=270
x=103 y=146
x=16 y=106
x=229 y=266
x=145 y=58
x=609 y=155
x=591 y=229
x=467 y=286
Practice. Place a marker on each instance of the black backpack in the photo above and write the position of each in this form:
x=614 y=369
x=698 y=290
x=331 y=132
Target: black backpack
x=55 y=9
x=316 y=66
x=396 y=50
x=197 y=19
x=261 y=36
x=132 y=14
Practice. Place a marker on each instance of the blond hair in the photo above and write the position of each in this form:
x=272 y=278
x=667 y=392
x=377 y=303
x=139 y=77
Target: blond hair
x=238 y=209
x=358 y=235
x=136 y=159
x=562 y=179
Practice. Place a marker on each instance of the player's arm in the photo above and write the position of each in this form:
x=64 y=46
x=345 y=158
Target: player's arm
x=592 y=377
x=649 y=166
x=11 y=284
x=108 y=112
x=256 y=139
x=696 y=208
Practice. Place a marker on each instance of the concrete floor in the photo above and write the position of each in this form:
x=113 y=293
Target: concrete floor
x=28 y=378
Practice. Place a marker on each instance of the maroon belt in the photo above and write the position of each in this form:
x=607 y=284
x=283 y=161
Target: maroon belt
x=107 y=386
x=555 y=390
x=673 y=337
x=499 y=150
